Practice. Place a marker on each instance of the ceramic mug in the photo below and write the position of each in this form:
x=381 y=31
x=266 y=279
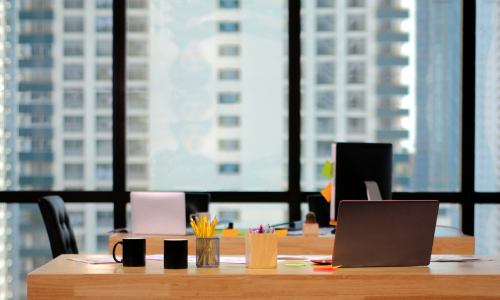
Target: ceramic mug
x=133 y=252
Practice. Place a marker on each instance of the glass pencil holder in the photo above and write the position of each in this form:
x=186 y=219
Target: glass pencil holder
x=208 y=252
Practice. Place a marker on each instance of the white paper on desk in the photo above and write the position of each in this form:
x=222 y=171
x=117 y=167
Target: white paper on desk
x=192 y=259
x=454 y=258
x=97 y=260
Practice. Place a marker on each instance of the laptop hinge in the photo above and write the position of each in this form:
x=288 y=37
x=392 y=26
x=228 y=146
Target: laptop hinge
x=372 y=191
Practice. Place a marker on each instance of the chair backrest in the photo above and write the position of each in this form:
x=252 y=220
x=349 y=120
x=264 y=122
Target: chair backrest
x=321 y=208
x=56 y=219
x=196 y=202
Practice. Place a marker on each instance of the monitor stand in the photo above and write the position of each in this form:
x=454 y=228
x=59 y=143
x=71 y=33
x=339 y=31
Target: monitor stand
x=372 y=191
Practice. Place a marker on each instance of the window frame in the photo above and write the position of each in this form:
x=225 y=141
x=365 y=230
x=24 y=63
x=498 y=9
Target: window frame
x=119 y=195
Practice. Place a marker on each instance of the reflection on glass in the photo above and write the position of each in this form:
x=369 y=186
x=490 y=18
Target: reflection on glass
x=486 y=228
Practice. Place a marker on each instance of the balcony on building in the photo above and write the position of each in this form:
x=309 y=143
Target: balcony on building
x=392 y=89
x=35 y=86
x=392 y=134
x=36 y=132
x=36 y=156
x=384 y=112
x=36 y=14
x=392 y=13
x=401 y=181
x=36 y=63
x=46 y=109
x=38 y=180
x=401 y=158
x=388 y=37
x=392 y=60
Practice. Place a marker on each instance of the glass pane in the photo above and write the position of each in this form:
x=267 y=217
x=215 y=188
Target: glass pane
x=487 y=155
x=487 y=228
x=249 y=215
x=55 y=95
x=25 y=244
x=205 y=92
x=386 y=72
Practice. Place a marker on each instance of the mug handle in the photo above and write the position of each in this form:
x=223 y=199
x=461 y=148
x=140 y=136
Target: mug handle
x=191 y=216
x=114 y=248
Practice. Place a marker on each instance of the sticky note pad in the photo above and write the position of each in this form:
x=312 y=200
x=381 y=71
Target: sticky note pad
x=327 y=170
x=322 y=267
x=229 y=232
x=327 y=192
x=296 y=265
x=320 y=270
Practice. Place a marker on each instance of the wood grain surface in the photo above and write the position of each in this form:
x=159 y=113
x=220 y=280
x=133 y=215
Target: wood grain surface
x=289 y=245
x=65 y=279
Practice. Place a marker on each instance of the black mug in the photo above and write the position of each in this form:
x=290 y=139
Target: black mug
x=175 y=254
x=133 y=252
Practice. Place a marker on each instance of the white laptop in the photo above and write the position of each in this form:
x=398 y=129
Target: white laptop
x=158 y=213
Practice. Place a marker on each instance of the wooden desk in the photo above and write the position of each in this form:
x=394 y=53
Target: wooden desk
x=290 y=245
x=65 y=279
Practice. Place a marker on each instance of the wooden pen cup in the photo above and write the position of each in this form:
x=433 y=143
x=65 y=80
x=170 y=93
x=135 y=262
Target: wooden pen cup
x=261 y=250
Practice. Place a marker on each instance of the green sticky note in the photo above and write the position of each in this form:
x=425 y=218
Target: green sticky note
x=327 y=170
x=295 y=265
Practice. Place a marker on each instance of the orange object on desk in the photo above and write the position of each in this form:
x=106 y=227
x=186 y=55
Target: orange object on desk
x=325 y=267
x=281 y=232
x=229 y=232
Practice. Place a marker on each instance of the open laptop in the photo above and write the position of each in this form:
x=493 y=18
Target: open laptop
x=158 y=213
x=385 y=233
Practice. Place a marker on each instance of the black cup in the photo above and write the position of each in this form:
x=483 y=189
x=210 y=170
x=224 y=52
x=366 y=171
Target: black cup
x=175 y=254
x=133 y=252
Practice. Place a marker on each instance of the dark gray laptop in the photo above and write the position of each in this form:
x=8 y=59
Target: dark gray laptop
x=385 y=233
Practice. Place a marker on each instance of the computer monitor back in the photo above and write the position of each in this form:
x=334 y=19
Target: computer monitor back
x=158 y=213
x=385 y=233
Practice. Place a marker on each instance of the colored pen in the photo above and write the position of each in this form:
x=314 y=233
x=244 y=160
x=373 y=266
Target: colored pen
x=251 y=231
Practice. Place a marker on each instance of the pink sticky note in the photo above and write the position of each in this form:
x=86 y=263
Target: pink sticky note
x=323 y=270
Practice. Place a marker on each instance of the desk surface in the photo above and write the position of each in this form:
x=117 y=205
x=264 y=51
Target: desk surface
x=62 y=278
x=290 y=245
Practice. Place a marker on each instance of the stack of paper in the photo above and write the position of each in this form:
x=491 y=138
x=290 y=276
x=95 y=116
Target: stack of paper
x=453 y=258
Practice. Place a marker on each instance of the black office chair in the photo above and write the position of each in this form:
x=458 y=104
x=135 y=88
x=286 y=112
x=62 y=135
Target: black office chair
x=321 y=208
x=56 y=219
x=196 y=202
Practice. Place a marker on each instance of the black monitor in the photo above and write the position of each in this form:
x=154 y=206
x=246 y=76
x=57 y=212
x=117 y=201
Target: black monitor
x=354 y=165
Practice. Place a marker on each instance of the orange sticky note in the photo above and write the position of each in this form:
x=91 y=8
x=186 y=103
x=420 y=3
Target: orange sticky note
x=333 y=222
x=229 y=232
x=322 y=267
x=327 y=192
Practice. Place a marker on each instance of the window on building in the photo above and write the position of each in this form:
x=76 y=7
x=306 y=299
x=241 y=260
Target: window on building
x=386 y=123
x=104 y=72
x=104 y=147
x=72 y=4
x=325 y=22
x=73 y=24
x=137 y=147
x=229 y=26
x=104 y=171
x=229 y=4
x=387 y=75
x=73 y=72
x=356 y=72
x=229 y=98
x=73 y=98
x=104 y=4
x=229 y=121
x=325 y=100
x=73 y=48
x=41 y=144
x=356 y=100
x=325 y=73
x=73 y=147
x=229 y=74
x=103 y=123
x=229 y=145
x=324 y=148
x=325 y=125
x=104 y=24
x=137 y=24
x=137 y=124
x=36 y=5
x=356 y=125
x=30 y=26
x=137 y=48
x=137 y=171
x=36 y=75
x=40 y=119
x=73 y=171
x=104 y=48
x=325 y=46
x=229 y=50
x=325 y=3
x=73 y=123
x=103 y=99
x=37 y=50
x=41 y=96
x=137 y=4
x=229 y=169
x=356 y=3
x=138 y=71
x=355 y=22
x=356 y=46
x=137 y=99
